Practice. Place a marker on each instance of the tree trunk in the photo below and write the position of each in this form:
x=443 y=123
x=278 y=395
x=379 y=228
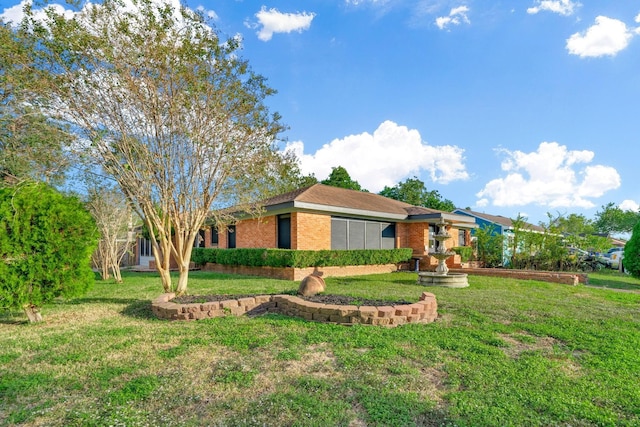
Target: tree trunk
x=182 y=280
x=32 y=313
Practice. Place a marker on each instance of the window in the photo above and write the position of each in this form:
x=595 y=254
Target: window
x=145 y=247
x=462 y=238
x=347 y=233
x=199 y=240
x=214 y=237
x=432 y=240
x=231 y=237
x=284 y=231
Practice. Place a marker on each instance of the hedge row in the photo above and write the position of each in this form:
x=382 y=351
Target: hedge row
x=299 y=259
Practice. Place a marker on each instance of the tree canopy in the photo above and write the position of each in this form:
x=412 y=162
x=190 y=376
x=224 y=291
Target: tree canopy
x=611 y=219
x=31 y=145
x=166 y=108
x=339 y=177
x=414 y=191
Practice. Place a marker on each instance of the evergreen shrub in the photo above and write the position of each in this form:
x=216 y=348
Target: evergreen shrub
x=260 y=257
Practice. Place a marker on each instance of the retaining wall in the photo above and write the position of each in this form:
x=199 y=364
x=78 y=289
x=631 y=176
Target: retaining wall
x=544 y=276
x=423 y=311
x=297 y=274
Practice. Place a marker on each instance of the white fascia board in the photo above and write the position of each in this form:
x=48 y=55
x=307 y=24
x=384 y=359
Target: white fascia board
x=339 y=210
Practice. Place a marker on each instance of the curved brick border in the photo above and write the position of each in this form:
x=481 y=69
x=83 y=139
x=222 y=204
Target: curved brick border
x=423 y=311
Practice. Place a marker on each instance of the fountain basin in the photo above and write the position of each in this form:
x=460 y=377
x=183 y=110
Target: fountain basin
x=449 y=280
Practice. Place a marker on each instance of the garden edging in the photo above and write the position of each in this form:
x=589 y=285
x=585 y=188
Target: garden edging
x=423 y=311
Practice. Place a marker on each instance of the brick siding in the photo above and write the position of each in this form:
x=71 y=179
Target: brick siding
x=310 y=231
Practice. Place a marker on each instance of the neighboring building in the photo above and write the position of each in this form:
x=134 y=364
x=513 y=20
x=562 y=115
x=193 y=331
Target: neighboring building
x=501 y=226
x=323 y=217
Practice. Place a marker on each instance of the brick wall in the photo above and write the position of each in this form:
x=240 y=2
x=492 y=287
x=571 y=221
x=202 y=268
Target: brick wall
x=289 y=273
x=423 y=311
x=567 y=278
x=310 y=231
x=256 y=233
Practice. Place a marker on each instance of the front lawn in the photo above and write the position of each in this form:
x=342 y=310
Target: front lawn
x=503 y=352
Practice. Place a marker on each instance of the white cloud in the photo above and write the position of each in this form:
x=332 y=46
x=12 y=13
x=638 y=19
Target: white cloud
x=360 y=2
x=606 y=37
x=550 y=176
x=208 y=13
x=15 y=14
x=384 y=158
x=273 y=21
x=456 y=16
x=629 y=205
x=562 y=7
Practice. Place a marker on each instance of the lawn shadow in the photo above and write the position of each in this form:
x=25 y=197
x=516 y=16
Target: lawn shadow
x=136 y=308
x=9 y=317
x=615 y=282
x=139 y=309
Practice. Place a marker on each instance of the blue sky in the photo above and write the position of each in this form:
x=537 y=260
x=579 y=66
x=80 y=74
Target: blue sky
x=505 y=107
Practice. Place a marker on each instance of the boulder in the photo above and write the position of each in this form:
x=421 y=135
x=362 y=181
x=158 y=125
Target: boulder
x=311 y=285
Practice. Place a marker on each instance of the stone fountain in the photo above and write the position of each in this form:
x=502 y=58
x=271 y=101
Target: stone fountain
x=442 y=277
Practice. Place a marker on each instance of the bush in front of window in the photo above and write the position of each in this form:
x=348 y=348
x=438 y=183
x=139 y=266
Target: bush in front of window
x=260 y=257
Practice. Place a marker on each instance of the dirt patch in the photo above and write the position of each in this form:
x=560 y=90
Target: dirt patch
x=525 y=342
x=323 y=299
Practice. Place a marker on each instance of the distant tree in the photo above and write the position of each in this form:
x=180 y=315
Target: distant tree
x=46 y=241
x=167 y=109
x=611 y=219
x=631 y=259
x=114 y=218
x=339 y=177
x=573 y=224
x=488 y=245
x=414 y=192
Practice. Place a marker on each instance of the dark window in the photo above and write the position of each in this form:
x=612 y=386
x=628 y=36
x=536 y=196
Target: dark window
x=284 y=232
x=145 y=247
x=214 y=237
x=199 y=240
x=231 y=237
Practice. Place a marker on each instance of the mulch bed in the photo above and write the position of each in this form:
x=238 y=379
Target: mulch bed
x=323 y=299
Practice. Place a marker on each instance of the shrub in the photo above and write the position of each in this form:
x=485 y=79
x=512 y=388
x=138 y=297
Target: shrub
x=465 y=252
x=46 y=241
x=261 y=257
x=631 y=261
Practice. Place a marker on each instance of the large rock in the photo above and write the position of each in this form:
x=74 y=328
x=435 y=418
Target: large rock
x=311 y=285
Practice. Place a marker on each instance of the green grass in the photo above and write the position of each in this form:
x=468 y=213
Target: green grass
x=503 y=352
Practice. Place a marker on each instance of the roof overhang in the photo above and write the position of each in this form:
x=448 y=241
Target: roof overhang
x=448 y=217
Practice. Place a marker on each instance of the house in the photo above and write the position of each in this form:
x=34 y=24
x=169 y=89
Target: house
x=499 y=225
x=322 y=217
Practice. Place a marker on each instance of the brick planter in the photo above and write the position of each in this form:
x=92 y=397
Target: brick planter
x=423 y=311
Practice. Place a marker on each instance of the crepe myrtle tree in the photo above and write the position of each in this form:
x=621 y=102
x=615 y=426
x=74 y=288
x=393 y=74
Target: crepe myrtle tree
x=114 y=220
x=167 y=109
